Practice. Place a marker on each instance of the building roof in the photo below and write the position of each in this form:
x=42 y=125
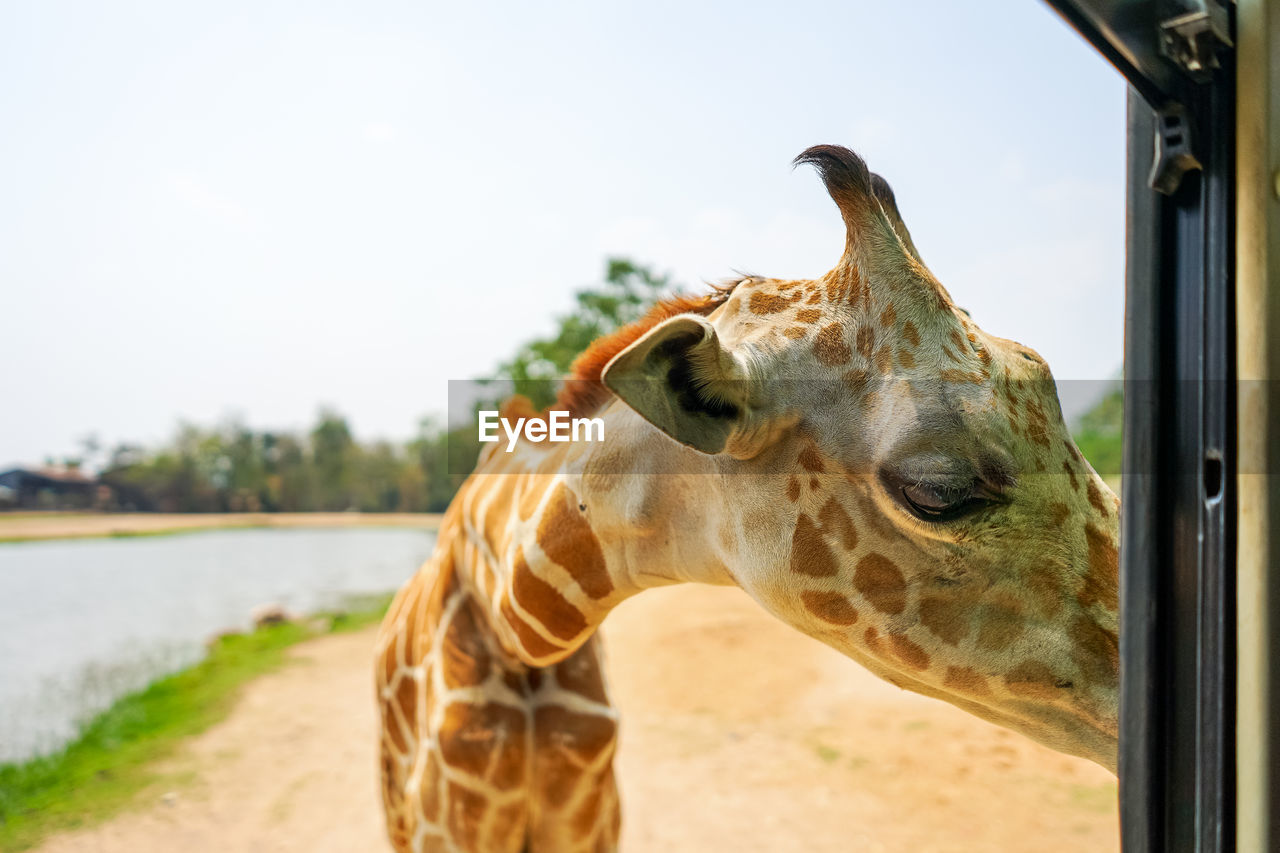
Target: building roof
x=56 y=474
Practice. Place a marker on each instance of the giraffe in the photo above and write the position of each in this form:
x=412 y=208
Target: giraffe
x=852 y=451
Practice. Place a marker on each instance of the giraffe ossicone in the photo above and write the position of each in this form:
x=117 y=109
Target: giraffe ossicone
x=853 y=451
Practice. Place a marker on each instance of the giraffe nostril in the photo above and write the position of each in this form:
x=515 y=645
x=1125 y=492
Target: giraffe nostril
x=1064 y=684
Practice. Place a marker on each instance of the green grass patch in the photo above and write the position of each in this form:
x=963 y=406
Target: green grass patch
x=114 y=759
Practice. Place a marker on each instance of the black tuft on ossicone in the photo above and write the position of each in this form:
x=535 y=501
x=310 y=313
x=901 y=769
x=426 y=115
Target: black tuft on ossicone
x=844 y=173
x=863 y=197
x=883 y=192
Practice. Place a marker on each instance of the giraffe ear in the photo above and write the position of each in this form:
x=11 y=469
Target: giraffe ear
x=683 y=380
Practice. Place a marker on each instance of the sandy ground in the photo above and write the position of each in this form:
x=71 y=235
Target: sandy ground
x=738 y=735
x=59 y=525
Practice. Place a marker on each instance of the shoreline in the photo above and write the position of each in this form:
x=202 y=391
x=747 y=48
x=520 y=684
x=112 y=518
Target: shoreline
x=39 y=527
x=119 y=753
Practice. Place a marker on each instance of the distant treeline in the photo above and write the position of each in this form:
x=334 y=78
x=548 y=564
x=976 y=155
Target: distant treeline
x=233 y=468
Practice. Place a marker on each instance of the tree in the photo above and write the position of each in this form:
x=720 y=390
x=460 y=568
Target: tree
x=1099 y=433
x=445 y=457
x=626 y=293
x=332 y=451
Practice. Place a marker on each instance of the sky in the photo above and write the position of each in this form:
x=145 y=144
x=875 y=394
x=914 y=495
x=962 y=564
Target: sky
x=251 y=210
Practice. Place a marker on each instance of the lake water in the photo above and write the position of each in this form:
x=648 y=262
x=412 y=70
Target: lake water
x=83 y=622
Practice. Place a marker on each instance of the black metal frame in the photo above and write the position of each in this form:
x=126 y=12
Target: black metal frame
x=1177 y=645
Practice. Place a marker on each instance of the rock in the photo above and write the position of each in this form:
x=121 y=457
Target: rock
x=271 y=614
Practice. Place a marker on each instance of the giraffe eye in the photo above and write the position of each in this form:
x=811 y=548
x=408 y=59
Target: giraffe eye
x=934 y=502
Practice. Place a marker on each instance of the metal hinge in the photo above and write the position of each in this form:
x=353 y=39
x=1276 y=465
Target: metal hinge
x=1192 y=40
x=1173 y=156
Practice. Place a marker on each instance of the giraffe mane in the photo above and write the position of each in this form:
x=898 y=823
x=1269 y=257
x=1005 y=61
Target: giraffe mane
x=583 y=393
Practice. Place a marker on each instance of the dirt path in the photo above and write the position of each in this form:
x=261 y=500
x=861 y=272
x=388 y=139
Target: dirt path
x=738 y=735
x=71 y=525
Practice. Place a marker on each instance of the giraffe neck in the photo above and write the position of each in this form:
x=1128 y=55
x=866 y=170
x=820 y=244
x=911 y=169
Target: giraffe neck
x=553 y=537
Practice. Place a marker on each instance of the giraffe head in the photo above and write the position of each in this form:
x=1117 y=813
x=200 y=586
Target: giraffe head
x=900 y=484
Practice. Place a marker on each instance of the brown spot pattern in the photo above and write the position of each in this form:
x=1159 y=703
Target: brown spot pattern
x=1102 y=578
x=810 y=554
x=810 y=460
x=945 y=617
x=485 y=740
x=829 y=346
x=1033 y=680
x=544 y=602
x=429 y=793
x=909 y=332
x=865 y=341
x=464 y=659
x=856 y=381
x=534 y=643
x=998 y=632
x=881 y=583
x=769 y=303
x=908 y=652
x=1095 y=650
x=1066 y=466
x=966 y=680
x=835 y=520
x=580 y=673
x=568 y=540
x=509 y=827
x=859 y=293
x=413 y=616
x=515 y=682
x=390 y=663
x=466 y=815
x=960 y=376
x=1095 y=498
x=829 y=607
x=392 y=728
x=565 y=741
x=835 y=287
